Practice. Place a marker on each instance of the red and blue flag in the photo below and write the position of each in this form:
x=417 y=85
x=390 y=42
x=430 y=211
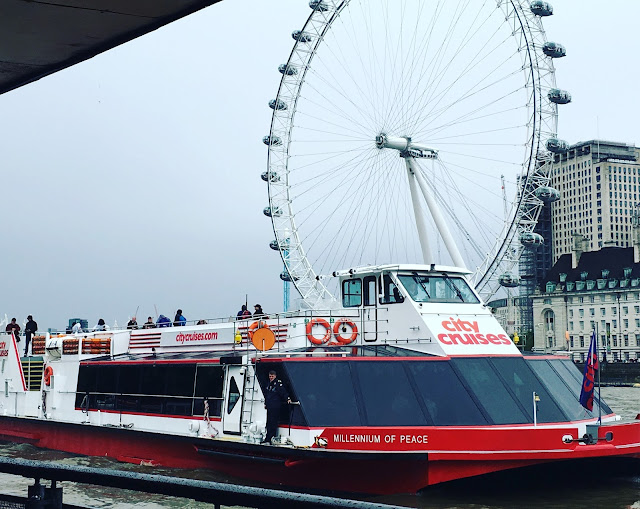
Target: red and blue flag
x=589 y=379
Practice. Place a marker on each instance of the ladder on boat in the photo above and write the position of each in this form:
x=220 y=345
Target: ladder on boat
x=250 y=391
x=32 y=369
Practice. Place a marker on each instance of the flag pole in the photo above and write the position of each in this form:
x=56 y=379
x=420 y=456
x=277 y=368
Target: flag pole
x=599 y=385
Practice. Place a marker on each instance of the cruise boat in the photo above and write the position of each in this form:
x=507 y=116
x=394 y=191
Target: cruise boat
x=408 y=383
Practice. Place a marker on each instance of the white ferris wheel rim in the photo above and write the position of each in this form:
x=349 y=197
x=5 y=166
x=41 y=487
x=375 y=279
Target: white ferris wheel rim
x=539 y=77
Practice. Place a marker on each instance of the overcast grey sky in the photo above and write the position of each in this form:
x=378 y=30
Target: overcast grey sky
x=133 y=179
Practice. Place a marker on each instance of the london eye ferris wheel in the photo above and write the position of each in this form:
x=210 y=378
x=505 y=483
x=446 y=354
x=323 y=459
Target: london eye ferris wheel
x=406 y=131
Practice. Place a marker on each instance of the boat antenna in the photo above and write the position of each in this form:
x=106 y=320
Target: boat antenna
x=136 y=313
x=154 y=307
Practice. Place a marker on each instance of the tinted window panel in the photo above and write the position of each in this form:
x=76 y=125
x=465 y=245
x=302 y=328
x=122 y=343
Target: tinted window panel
x=181 y=380
x=325 y=392
x=153 y=379
x=129 y=380
x=523 y=383
x=559 y=390
x=572 y=376
x=389 y=399
x=444 y=396
x=489 y=391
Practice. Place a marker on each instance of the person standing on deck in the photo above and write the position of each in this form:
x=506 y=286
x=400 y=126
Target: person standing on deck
x=30 y=330
x=133 y=324
x=275 y=397
x=149 y=324
x=258 y=313
x=244 y=313
x=179 y=320
x=12 y=326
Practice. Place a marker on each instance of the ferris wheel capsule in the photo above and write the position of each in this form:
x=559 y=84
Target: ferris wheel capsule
x=301 y=36
x=547 y=194
x=558 y=96
x=277 y=104
x=285 y=276
x=269 y=212
x=272 y=141
x=554 y=50
x=270 y=176
x=319 y=5
x=288 y=70
x=531 y=239
x=540 y=8
x=509 y=281
x=557 y=146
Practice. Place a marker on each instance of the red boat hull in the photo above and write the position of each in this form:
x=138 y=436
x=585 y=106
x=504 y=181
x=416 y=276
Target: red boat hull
x=373 y=472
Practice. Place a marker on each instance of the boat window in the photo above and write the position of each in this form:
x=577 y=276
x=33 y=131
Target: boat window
x=523 y=383
x=559 y=390
x=446 y=399
x=573 y=378
x=437 y=288
x=234 y=394
x=325 y=391
x=209 y=384
x=390 y=292
x=489 y=391
x=352 y=293
x=370 y=294
x=388 y=397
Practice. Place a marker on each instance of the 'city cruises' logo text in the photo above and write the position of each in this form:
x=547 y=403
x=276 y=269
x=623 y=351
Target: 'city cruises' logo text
x=466 y=332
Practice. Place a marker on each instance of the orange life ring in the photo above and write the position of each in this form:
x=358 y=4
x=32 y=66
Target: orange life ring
x=255 y=325
x=48 y=373
x=349 y=323
x=327 y=334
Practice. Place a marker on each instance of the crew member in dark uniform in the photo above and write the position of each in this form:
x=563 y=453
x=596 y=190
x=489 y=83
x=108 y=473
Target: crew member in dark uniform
x=30 y=330
x=275 y=397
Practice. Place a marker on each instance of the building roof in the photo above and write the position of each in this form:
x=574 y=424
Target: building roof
x=614 y=259
x=38 y=38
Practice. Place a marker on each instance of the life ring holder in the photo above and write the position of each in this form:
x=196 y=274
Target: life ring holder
x=336 y=331
x=327 y=335
x=48 y=373
x=256 y=325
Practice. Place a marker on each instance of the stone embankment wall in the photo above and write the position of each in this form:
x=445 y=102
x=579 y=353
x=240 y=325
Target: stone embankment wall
x=618 y=373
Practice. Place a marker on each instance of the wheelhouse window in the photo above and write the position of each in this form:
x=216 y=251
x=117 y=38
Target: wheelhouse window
x=352 y=293
x=390 y=292
x=437 y=288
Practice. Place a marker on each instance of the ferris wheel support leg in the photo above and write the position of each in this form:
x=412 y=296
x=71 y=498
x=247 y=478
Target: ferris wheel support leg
x=420 y=224
x=437 y=215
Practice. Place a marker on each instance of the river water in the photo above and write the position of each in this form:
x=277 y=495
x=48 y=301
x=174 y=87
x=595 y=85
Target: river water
x=516 y=488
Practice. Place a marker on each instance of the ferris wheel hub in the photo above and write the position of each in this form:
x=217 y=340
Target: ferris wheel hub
x=406 y=146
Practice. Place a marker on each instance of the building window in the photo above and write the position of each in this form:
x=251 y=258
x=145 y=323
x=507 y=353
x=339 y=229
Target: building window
x=615 y=339
x=603 y=311
x=547 y=301
x=614 y=311
x=614 y=323
x=626 y=340
x=581 y=341
x=625 y=309
x=581 y=313
x=625 y=323
x=637 y=339
x=570 y=325
x=592 y=312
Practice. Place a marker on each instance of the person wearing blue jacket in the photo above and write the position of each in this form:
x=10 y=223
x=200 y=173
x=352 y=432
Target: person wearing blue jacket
x=179 y=320
x=163 y=321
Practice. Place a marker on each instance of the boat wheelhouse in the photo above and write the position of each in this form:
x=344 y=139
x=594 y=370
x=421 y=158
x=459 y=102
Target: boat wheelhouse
x=408 y=367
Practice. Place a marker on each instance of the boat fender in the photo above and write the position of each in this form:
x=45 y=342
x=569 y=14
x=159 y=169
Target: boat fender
x=255 y=325
x=327 y=335
x=344 y=323
x=48 y=373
